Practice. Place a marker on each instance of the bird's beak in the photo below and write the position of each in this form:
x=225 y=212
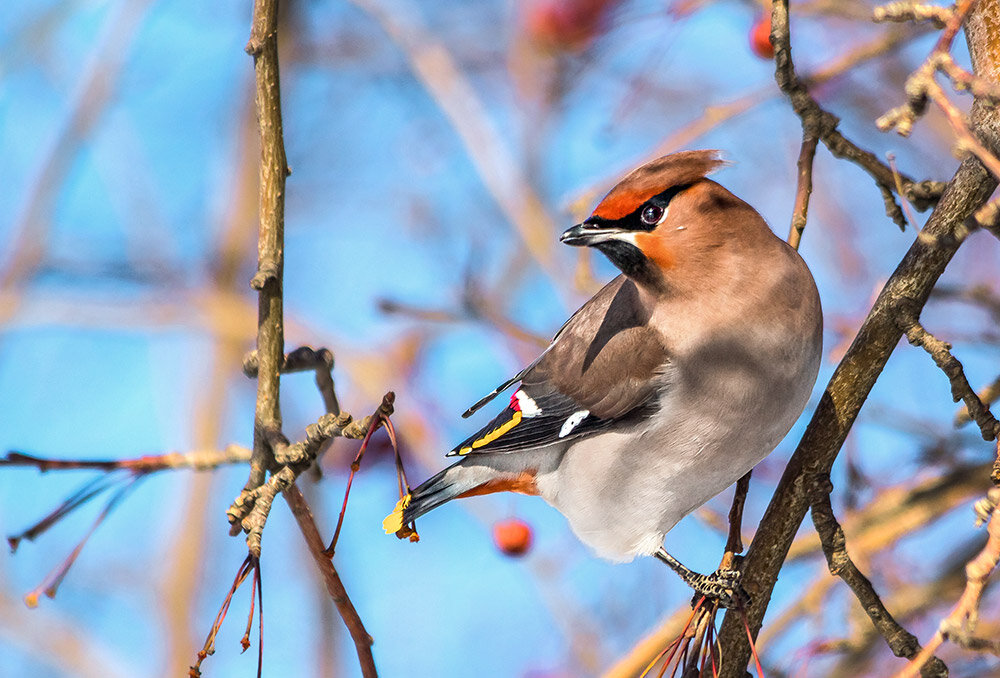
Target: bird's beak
x=589 y=234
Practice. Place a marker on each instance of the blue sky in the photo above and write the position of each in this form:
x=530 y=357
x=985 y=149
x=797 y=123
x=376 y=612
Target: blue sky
x=108 y=352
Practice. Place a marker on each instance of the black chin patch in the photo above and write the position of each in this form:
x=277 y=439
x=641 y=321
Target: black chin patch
x=631 y=261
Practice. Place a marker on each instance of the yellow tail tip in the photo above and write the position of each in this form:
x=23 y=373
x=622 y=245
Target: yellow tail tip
x=393 y=522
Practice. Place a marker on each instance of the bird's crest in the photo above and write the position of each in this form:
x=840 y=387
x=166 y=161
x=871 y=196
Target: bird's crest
x=655 y=177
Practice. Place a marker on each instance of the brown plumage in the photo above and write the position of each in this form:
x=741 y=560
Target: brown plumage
x=669 y=384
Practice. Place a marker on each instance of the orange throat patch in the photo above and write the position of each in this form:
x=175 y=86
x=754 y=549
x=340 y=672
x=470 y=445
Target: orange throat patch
x=655 y=249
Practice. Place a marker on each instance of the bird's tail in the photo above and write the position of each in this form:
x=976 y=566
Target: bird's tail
x=436 y=490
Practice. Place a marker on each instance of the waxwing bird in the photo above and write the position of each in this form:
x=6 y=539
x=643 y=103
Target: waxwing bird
x=673 y=381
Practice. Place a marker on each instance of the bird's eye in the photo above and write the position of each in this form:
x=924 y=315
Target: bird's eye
x=651 y=214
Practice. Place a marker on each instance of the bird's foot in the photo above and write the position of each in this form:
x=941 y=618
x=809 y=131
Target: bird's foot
x=722 y=586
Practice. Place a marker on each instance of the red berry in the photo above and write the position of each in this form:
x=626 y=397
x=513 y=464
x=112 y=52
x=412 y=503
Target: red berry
x=760 y=37
x=568 y=25
x=512 y=536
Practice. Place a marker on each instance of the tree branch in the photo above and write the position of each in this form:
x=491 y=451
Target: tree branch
x=961 y=390
x=263 y=46
x=908 y=287
x=831 y=535
x=303 y=359
x=805 y=186
x=334 y=586
x=250 y=509
x=822 y=124
x=960 y=623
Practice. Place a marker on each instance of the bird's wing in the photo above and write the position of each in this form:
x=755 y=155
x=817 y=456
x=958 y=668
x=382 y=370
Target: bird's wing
x=605 y=367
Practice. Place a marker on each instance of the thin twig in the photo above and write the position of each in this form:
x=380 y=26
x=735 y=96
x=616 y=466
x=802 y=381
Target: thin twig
x=373 y=426
x=303 y=359
x=823 y=124
x=922 y=194
x=805 y=185
x=961 y=390
x=912 y=11
x=960 y=623
x=897 y=511
x=263 y=46
x=900 y=641
x=249 y=511
x=250 y=564
x=734 y=542
x=334 y=586
x=199 y=460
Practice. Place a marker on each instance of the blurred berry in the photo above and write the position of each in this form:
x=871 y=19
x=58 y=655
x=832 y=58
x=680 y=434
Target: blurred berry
x=566 y=25
x=760 y=37
x=512 y=536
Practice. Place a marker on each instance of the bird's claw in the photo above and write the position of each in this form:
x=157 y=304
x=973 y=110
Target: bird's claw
x=722 y=586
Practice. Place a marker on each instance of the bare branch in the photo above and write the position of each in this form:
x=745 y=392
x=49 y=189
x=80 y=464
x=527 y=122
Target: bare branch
x=909 y=286
x=961 y=622
x=734 y=542
x=199 y=460
x=822 y=124
x=804 y=190
x=897 y=511
x=303 y=359
x=900 y=641
x=961 y=390
x=250 y=509
x=335 y=587
x=913 y=11
x=263 y=46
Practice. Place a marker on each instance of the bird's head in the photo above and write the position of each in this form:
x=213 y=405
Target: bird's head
x=666 y=221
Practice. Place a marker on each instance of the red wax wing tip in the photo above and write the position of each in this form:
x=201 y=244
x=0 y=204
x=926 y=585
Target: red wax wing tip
x=760 y=37
x=512 y=536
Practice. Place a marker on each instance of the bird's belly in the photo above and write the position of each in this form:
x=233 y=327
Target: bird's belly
x=622 y=492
